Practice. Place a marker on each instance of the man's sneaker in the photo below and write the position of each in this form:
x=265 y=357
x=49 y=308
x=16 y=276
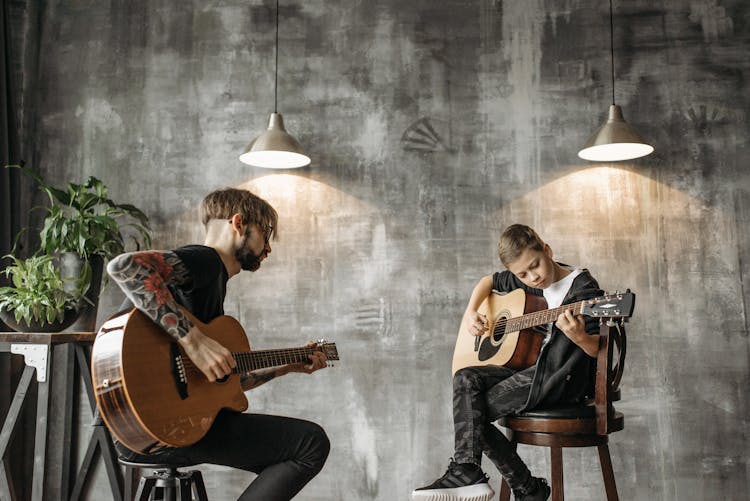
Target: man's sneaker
x=461 y=482
x=536 y=490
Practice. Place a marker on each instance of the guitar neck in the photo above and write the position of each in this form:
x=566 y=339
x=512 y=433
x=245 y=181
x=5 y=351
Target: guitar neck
x=540 y=317
x=260 y=359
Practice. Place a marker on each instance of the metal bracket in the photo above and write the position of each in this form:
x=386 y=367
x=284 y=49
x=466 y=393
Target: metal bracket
x=34 y=355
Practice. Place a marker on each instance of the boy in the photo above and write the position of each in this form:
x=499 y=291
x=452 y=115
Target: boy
x=481 y=395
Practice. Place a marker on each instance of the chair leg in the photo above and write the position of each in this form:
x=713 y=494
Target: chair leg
x=504 y=491
x=609 y=476
x=557 y=474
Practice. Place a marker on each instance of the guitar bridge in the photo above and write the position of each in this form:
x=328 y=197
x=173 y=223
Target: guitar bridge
x=178 y=371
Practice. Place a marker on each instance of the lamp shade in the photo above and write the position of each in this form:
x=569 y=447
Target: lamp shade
x=275 y=148
x=615 y=140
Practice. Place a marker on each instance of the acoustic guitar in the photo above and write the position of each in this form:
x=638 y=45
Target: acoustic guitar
x=514 y=338
x=150 y=393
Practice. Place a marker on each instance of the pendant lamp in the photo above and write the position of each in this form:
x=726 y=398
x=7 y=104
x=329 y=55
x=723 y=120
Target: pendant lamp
x=615 y=140
x=275 y=148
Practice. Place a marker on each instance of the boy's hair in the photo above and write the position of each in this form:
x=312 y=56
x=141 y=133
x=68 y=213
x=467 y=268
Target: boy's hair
x=223 y=204
x=515 y=239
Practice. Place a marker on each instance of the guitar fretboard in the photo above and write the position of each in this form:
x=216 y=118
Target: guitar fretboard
x=261 y=359
x=536 y=318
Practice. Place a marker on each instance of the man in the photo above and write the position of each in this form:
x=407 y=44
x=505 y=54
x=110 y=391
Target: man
x=483 y=394
x=286 y=453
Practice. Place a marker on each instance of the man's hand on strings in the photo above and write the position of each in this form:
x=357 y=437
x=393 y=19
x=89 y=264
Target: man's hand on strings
x=208 y=355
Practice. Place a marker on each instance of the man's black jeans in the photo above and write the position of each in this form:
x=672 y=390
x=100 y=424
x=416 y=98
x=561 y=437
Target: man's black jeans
x=482 y=395
x=286 y=453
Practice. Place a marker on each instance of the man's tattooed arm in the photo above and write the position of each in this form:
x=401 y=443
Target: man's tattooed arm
x=251 y=380
x=144 y=277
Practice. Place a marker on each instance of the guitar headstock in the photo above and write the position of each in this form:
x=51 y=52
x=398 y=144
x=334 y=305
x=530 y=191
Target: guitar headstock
x=611 y=305
x=329 y=349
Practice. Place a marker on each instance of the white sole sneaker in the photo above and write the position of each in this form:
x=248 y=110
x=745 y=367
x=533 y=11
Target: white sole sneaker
x=476 y=492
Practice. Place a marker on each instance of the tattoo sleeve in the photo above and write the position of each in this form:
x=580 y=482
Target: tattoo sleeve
x=250 y=380
x=144 y=277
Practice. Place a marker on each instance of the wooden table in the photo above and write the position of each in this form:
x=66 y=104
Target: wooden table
x=54 y=452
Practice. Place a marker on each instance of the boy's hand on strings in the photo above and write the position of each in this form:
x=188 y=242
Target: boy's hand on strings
x=475 y=323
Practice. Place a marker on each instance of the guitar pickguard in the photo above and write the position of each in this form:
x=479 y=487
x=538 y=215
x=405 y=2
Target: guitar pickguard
x=491 y=343
x=487 y=350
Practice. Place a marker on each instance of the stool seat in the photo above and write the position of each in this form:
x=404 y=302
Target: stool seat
x=165 y=482
x=579 y=411
x=153 y=466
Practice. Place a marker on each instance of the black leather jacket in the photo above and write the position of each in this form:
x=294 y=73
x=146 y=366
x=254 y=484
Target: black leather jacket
x=564 y=373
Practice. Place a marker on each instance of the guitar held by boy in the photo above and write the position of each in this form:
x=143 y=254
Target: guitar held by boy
x=514 y=335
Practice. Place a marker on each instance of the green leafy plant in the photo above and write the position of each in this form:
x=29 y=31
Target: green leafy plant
x=82 y=219
x=38 y=293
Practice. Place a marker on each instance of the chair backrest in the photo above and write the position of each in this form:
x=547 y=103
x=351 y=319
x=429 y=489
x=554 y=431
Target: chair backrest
x=610 y=364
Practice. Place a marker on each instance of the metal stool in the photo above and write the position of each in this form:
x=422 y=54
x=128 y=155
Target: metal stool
x=165 y=482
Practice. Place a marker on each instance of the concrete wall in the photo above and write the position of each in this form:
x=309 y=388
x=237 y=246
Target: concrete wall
x=433 y=125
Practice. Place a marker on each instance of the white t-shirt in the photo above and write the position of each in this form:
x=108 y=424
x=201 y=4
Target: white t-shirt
x=555 y=293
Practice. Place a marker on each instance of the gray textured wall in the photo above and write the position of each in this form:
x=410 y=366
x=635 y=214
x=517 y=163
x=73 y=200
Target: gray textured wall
x=384 y=236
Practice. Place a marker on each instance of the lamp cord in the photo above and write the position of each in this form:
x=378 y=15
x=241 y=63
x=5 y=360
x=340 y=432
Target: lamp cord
x=276 y=67
x=611 y=48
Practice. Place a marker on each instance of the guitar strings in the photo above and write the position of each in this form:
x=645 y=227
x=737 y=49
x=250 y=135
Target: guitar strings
x=245 y=359
x=534 y=317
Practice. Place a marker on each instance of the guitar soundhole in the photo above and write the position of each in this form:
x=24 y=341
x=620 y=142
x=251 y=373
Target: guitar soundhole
x=223 y=379
x=498 y=332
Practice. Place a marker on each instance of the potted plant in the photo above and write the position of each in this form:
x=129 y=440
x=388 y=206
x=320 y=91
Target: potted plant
x=87 y=228
x=40 y=300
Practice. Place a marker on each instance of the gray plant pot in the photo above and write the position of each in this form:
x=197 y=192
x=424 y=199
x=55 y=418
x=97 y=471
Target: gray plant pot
x=71 y=266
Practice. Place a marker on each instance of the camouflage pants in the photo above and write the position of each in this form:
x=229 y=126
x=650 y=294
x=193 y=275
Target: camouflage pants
x=482 y=395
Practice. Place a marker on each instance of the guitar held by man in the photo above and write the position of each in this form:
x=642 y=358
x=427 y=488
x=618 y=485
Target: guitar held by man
x=152 y=396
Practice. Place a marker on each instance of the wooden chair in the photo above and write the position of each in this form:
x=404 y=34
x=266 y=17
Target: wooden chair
x=585 y=425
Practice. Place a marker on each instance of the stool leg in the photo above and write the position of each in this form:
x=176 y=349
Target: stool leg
x=557 y=474
x=186 y=493
x=200 y=488
x=145 y=486
x=170 y=493
x=129 y=483
x=609 y=476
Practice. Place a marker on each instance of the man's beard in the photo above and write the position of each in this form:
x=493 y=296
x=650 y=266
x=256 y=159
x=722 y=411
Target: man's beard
x=248 y=260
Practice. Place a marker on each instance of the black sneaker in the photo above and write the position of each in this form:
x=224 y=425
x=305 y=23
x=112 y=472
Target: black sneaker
x=461 y=482
x=536 y=490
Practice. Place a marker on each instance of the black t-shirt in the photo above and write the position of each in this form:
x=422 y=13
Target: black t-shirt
x=204 y=294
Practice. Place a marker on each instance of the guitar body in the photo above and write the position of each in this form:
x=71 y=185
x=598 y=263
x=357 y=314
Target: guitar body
x=136 y=383
x=517 y=350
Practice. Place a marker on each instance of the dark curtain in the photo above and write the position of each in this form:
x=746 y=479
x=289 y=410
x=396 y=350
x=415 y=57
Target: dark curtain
x=14 y=202
x=10 y=195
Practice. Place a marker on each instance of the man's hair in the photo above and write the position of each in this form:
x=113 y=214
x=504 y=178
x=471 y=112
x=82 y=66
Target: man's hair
x=515 y=240
x=223 y=204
